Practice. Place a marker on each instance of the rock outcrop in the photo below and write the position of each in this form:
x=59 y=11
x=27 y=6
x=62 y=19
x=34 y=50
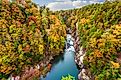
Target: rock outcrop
x=79 y=54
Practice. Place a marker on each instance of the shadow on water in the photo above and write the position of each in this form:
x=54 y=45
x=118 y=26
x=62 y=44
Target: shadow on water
x=58 y=59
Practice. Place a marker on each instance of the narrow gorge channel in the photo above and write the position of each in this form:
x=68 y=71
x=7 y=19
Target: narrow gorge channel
x=64 y=64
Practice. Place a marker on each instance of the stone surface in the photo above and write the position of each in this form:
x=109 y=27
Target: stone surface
x=79 y=56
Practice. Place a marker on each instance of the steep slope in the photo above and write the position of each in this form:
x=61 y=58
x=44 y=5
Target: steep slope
x=29 y=35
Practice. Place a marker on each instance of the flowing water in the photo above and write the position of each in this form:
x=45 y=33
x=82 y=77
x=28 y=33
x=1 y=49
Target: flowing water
x=63 y=64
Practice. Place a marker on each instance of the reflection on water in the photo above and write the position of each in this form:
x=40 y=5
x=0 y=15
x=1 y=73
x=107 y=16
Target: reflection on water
x=63 y=65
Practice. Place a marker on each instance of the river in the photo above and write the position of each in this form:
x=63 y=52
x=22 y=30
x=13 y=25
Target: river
x=63 y=64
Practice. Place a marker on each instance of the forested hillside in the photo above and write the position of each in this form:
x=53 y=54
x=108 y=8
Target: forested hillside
x=30 y=35
x=100 y=34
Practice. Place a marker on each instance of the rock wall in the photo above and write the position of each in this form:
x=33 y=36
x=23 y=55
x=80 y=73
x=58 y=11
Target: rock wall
x=79 y=54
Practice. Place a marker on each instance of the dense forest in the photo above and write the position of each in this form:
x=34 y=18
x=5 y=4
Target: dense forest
x=28 y=35
x=31 y=35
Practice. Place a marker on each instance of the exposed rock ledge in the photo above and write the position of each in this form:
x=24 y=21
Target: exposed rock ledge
x=79 y=55
x=83 y=75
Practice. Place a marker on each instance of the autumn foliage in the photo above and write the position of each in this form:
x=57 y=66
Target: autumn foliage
x=27 y=35
x=100 y=34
